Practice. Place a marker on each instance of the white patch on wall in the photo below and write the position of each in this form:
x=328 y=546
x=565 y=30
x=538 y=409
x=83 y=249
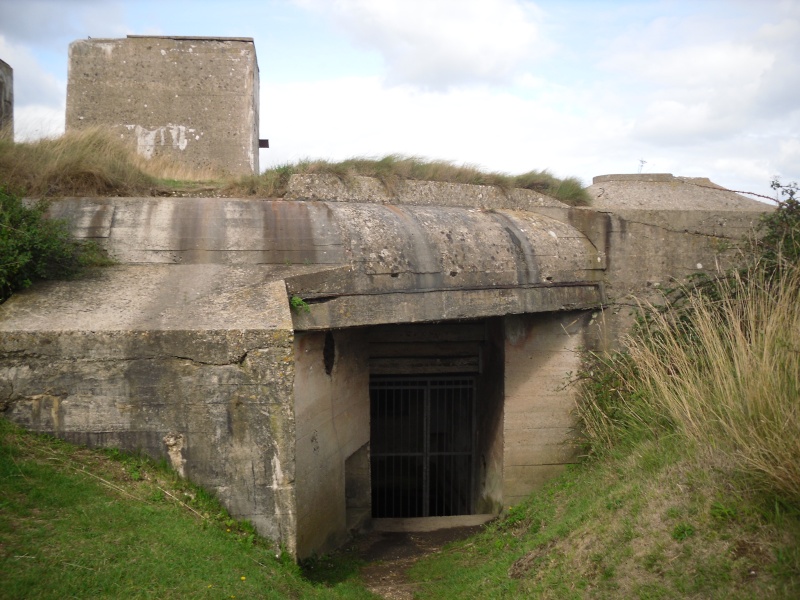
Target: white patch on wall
x=278 y=478
x=108 y=49
x=148 y=139
x=174 y=443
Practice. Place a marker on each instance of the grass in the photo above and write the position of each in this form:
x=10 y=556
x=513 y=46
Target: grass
x=85 y=163
x=656 y=523
x=92 y=162
x=392 y=169
x=76 y=523
x=726 y=372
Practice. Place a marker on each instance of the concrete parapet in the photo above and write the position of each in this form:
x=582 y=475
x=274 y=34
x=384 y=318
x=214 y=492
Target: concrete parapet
x=663 y=191
x=193 y=364
x=331 y=188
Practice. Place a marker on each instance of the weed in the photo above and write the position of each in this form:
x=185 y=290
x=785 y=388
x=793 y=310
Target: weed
x=299 y=305
x=682 y=532
x=721 y=512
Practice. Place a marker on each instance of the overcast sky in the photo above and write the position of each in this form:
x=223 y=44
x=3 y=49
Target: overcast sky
x=582 y=87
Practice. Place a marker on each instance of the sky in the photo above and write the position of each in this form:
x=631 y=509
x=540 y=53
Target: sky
x=697 y=88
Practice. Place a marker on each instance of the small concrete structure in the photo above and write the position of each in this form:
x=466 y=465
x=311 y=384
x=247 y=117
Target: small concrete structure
x=6 y=98
x=192 y=99
x=421 y=372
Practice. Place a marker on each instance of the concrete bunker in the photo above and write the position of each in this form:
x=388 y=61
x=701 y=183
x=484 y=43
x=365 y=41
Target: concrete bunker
x=459 y=321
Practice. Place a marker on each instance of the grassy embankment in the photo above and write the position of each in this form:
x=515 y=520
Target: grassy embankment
x=76 y=523
x=94 y=163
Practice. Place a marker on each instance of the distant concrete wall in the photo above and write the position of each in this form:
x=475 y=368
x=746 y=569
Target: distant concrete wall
x=6 y=97
x=194 y=100
x=332 y=416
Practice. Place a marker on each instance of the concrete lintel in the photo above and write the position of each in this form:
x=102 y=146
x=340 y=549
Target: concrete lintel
x=433 y=306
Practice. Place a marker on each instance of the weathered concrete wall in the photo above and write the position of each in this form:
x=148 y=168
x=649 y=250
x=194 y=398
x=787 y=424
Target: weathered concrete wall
x=191 y=363
x=397 y=264
x=194 y=100
x=6 y=98
x=490 y=410
x=332 y=416
x=540 y=352
x=661 y=230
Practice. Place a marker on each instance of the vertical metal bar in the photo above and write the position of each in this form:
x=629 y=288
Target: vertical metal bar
x=472 y=433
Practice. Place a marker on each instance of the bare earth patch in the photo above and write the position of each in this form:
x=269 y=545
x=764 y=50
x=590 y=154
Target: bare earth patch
x=389 y=555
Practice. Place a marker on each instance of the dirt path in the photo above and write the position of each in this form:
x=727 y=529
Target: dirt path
x=389 y=555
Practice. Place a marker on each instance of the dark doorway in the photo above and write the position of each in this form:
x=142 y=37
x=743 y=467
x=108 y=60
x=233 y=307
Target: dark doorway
x=422 y=445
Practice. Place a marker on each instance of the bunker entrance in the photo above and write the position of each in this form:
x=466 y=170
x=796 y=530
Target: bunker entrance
x=423 y=441
x=436 y=426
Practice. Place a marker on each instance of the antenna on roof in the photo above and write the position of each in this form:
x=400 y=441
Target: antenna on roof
x=642 y=162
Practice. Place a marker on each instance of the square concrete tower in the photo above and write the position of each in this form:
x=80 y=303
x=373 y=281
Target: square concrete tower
x=6 y=98
x=193 y=99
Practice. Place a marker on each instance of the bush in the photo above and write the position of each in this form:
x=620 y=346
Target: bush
x=33 y=247
x=780 y=242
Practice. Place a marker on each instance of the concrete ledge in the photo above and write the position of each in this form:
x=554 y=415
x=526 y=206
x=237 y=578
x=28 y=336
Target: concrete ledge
x=430 y=523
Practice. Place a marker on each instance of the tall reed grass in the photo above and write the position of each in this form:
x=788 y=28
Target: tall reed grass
x=726 y=373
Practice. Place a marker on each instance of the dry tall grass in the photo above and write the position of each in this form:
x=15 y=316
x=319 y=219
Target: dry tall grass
x=91 y=162
x=727 y=373
x=94 y=162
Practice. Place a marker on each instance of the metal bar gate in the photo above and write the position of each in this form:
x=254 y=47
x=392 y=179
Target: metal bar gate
x=421 y=442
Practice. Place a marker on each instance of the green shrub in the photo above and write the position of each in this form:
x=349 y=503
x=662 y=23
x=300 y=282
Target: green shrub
x=780 y=242
x=33 y=247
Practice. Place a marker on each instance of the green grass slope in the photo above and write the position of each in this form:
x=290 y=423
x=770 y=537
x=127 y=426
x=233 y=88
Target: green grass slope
x=654 y=523
x=76 y=523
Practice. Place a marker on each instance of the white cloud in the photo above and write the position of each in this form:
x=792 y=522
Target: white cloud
x=706 y=76
x=36 y=121
x=441 y=43
x=32 y=83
